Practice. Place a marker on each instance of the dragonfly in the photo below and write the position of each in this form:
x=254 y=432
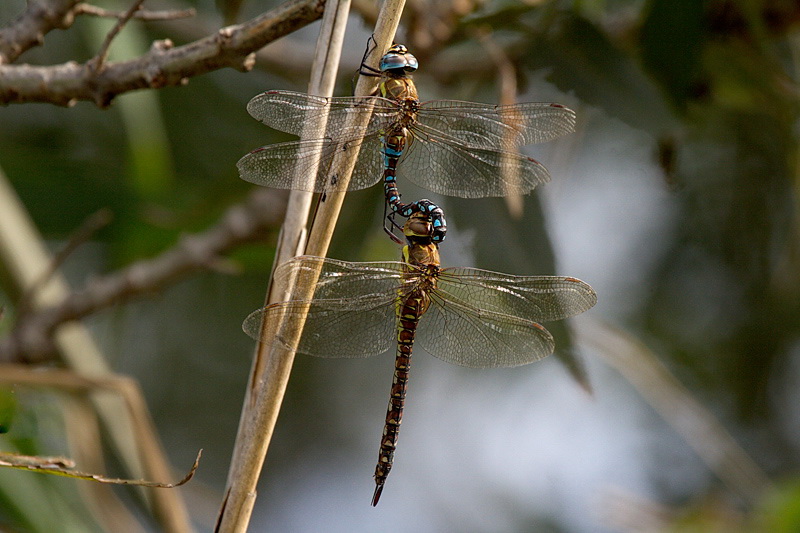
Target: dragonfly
x=451 y=147
x=464 y=316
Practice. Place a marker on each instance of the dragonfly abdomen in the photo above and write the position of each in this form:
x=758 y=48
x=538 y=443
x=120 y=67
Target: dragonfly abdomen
x=394 y=142
x=407 y=320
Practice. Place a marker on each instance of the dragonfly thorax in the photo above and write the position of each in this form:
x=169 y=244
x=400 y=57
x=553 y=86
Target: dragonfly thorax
x=403 y=91
x=421 y=255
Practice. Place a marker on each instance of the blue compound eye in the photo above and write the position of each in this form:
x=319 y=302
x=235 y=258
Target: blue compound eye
x=398 y=58
x=392 y=61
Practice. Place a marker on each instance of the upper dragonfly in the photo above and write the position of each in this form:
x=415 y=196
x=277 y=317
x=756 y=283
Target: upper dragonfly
x=456 y=148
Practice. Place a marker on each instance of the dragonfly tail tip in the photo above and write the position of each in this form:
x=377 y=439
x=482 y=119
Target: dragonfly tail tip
x=377 y=494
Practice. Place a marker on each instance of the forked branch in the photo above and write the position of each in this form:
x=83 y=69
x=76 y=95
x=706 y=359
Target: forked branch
x=164 y=65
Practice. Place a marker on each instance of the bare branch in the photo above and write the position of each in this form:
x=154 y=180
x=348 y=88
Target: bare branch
x=141 y=14
x=28 y=30
x=96 y=63
x=162 y=66
x=82 y=234
x=240 y=224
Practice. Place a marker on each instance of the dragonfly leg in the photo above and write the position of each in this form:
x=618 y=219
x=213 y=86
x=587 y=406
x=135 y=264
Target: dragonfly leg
x=364 y=69
x=392 y=225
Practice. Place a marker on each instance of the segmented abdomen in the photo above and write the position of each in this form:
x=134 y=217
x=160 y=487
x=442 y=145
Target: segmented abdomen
x=394 y=142
x=408 y=314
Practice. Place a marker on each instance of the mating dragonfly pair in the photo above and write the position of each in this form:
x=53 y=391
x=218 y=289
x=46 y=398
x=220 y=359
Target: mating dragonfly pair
x=472 y=317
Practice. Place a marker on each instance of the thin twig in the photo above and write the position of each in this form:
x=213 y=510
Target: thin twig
x=142 y=14
x=96 y=63
x=62 y=466
x=97 y=220
x=291 y=241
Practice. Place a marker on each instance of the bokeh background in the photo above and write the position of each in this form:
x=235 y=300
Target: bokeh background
x=676 y=199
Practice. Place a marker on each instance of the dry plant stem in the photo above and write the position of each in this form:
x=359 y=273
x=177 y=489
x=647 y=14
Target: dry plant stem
x=84 y=444
x=698 y=426
x=26 y=259
x=240 y=496
x=164 y=65
x=323 y=79
x=291 y=240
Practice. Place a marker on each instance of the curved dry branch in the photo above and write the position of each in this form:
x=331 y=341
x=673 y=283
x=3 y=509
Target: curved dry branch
x=31 y=339
x=65 y=467
x=164 y=65
x=28 y=29
x=141 y=14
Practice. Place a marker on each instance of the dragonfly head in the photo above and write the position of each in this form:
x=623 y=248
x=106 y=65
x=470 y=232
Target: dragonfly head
x=418 y=228
x=398 y=60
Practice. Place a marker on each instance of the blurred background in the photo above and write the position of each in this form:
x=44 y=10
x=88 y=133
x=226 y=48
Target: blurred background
x=676 y=199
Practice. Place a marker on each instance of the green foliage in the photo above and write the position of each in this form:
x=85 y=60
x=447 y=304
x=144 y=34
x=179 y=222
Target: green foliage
x=8 y=407
x=780 y=512
x=672 y=42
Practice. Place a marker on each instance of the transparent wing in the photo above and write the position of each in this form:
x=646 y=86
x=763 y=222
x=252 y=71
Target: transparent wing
x=488 y=126
x=482 y=319
x=476 y=338
x=290 y=165
x=331 y=331
x=531 y=298
x=296 y=113
x=340 y=281
x=439 y=163
x=352 y=313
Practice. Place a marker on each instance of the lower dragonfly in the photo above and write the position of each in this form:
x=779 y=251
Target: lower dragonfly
x=465 y=316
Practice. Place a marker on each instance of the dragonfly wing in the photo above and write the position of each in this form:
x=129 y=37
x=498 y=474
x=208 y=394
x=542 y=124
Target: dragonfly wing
x=443 y=165
x=352 y=313
x=533 y=298
x=487 y=126
x=291 y=165
x=335 y=280
x=475 y=338
x=331 y=330
x=302 y=114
